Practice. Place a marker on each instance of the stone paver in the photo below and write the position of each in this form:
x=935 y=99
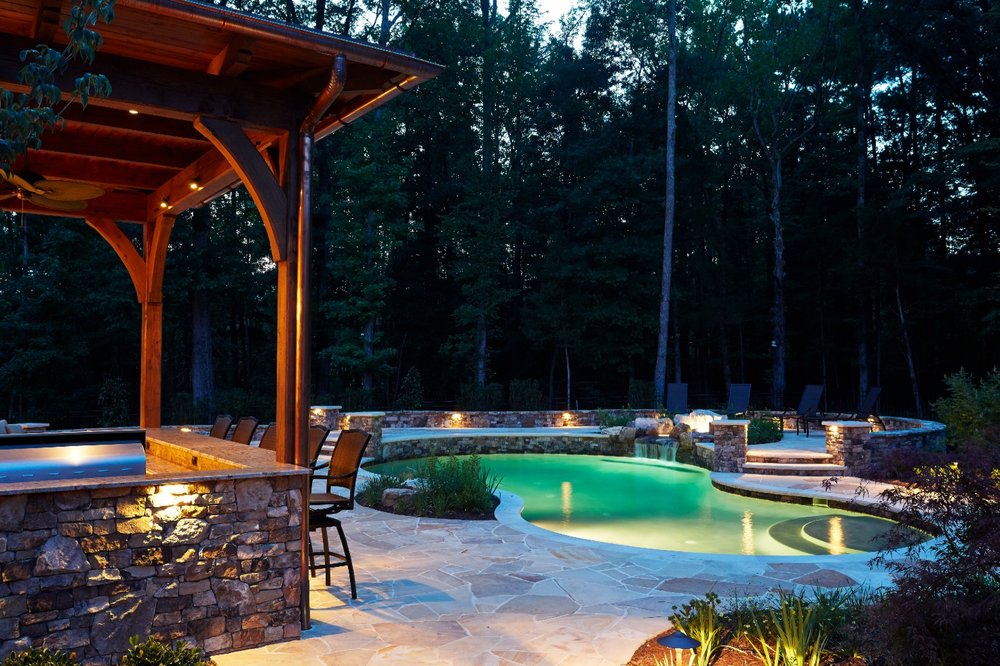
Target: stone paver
x=506 y=592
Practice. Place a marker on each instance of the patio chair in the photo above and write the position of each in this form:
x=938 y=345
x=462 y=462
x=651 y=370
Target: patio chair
x=677 y=398
x=221 y=426
x=739 y=399
x=269 y=440
x=341 y=474
x=244 y=430
x=808 y=407
x=865 y=409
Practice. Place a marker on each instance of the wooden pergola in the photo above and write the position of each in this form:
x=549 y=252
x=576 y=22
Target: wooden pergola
x=205 y=99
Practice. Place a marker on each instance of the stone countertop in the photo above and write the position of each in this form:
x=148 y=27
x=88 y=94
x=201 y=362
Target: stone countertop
x=176 y=457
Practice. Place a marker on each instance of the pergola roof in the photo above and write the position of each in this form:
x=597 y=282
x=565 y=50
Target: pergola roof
x=175 y=62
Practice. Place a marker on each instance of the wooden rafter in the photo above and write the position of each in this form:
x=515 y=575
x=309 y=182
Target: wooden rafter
x=126 y=251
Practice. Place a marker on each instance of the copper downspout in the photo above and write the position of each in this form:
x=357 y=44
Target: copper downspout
x=303 y=329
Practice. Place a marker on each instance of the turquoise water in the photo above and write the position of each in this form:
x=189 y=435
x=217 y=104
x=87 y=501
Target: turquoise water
x=667 y=506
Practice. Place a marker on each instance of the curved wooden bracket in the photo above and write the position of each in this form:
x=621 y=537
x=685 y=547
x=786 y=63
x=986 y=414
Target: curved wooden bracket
x=230 y=140
x=125 y=250
x=155 y=242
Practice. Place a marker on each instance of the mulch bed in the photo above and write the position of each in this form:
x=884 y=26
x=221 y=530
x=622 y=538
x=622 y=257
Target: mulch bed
x=739 y=653
x=456 y=515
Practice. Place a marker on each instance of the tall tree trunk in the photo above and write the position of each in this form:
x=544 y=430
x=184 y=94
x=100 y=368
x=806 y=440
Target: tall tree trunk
x=778 y=313
x=569 y=383
x=202 y=368
x=909 y=355
x=862 y=94
x=660 y=372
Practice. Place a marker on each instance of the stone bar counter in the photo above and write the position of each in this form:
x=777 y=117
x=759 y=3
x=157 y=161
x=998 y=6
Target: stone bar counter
x=206 y=547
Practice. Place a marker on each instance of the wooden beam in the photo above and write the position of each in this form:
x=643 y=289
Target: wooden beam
x=167 y=91
x=211 y=171
x=138 y=124
x=260 y=181
x=125 y=207
x=47 y=20
x=58 y=166
x=234 y=58
x=120 y=149
x=125 y=250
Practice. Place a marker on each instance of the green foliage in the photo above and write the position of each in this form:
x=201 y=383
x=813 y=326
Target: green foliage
x=454 y=485
x=113 y=400
x=411 y=391
x=153 y=652
x=762 y=431
x=607 y=418
x=641 y=394
x=25 y=116
x=969 y=410
x=788 y=635
x=487 y=397
x=40 y=657
x=370 y=494
x=700 y=619
x=525 y=394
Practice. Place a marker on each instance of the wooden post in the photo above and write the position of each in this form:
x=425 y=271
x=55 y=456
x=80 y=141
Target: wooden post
x=156 y=234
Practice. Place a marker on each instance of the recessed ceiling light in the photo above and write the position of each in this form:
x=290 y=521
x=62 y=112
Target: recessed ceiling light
x=133 y=112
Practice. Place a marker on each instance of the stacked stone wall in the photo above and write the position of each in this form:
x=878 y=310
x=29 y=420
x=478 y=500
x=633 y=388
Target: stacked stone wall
x=489 y=419
x=614 y=445
x=216 y=564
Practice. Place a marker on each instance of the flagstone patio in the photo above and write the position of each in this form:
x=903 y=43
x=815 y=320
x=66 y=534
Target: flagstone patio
x=436 y=591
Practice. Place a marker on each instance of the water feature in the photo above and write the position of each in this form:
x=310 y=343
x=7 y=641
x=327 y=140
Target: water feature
x=664 y=450
x=669 y=506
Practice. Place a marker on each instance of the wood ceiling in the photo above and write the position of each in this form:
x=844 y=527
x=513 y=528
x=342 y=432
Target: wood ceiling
x=171 y=62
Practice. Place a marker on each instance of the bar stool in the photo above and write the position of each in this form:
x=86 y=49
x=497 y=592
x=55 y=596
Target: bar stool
x=331 y=559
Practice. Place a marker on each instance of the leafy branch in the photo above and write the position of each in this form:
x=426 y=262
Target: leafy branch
x=25 y=116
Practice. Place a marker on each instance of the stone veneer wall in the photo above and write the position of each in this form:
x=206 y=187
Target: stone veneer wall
x=905 y=434
x=614 y=445
x=524 y=419
x=215 y=563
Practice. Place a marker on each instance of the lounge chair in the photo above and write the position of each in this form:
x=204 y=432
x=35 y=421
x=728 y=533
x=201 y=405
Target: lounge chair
x=221 y=426
x=865 y=409
x=677 y=398
x=244 y=430
x=808 y=408
x=739 y=399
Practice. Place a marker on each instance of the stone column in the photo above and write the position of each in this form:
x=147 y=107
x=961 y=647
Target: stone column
x=325 y=415
x=369 y=422
x=730 y=445
x=845 y=441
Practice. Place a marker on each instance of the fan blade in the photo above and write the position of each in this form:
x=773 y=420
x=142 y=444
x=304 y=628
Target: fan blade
x=19 y=182
x=7 y=196
x=45 y=202
x=67 y=190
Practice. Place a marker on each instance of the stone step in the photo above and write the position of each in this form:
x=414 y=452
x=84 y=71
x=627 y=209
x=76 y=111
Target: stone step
x=789 y=458
x=794 y=469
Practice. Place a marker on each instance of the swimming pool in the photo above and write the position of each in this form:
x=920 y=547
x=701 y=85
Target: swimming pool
x=667 y=506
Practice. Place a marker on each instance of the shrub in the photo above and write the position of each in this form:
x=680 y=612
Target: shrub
x=153 y=652
x=454 y=485
x=945 y=606
x=641 y=394
x=762 y=431
x=371 y=493
x=612 y=419
x=411 y=391
x=40 y=657
x=525 y=394
x=970 y=412
x=794 y=630
x=474 y=396
x=700 y=620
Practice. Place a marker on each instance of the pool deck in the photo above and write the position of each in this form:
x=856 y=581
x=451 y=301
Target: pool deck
x=434 y=591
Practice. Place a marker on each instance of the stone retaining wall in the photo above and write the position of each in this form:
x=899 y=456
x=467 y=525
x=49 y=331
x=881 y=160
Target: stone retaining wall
x=418 y=447
x=216 y=564
x=523 y=419
x=905 y=434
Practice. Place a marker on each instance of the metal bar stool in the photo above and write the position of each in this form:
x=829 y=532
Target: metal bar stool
x=331 y=559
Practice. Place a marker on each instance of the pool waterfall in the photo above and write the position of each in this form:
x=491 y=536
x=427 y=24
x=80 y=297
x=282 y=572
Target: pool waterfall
x=664 y=450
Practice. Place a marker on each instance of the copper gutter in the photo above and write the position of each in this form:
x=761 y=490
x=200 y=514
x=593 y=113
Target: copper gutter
x=303 y=331
x=312 y=40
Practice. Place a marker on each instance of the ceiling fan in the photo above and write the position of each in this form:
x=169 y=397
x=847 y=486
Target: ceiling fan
x=65 y=195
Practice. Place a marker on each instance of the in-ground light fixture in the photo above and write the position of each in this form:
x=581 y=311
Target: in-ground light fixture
x=678 y=643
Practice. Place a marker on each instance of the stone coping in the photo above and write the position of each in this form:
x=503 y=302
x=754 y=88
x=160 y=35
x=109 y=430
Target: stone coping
x=190 y=457
x=848 y=424
x=407 y=434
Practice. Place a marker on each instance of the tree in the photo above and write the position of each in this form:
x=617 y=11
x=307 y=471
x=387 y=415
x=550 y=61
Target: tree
x=25 y=116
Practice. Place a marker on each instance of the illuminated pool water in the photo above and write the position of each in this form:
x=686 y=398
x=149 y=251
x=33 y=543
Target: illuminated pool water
x=667 y=506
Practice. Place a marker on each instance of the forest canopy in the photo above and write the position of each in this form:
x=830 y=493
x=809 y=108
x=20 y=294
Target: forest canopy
x=494 y=238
